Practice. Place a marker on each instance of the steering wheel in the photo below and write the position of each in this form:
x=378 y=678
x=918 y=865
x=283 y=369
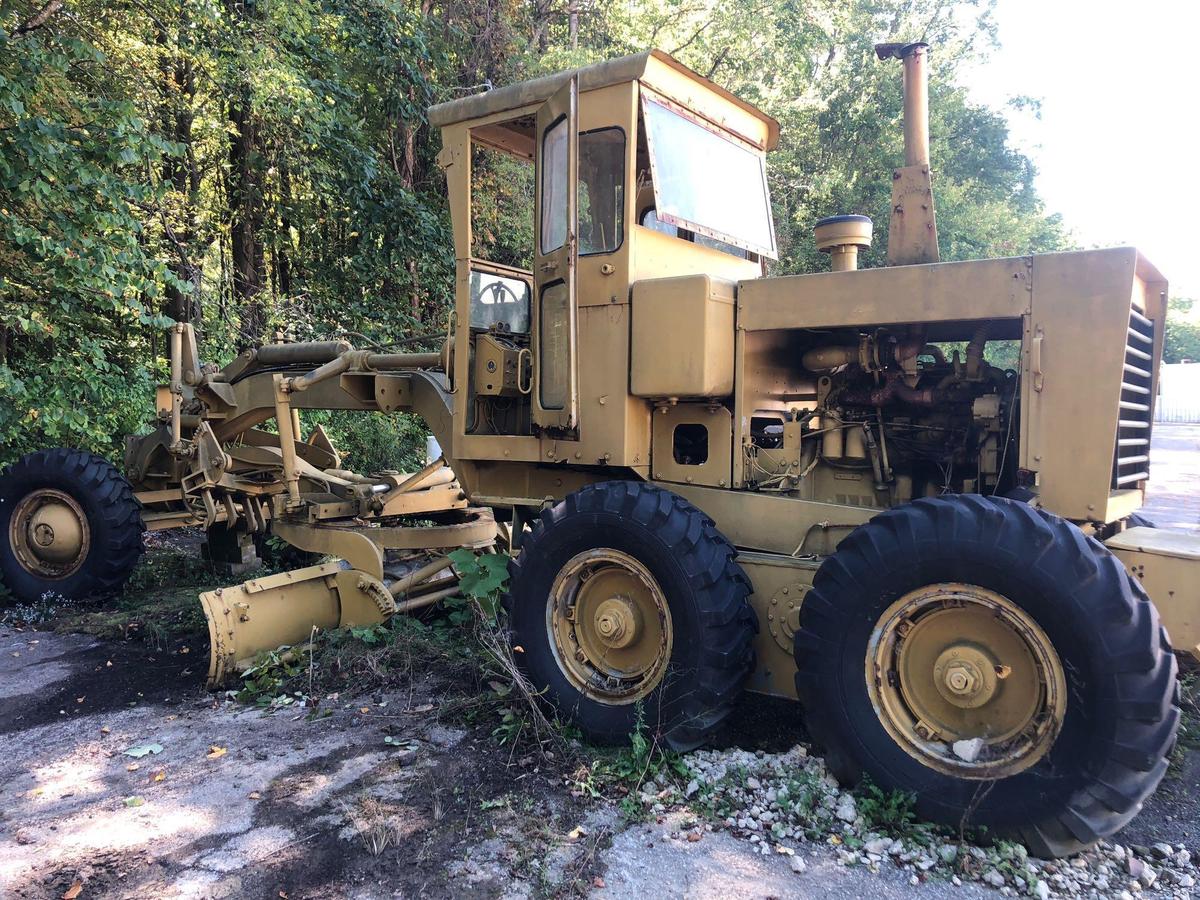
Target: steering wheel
x=499 y=289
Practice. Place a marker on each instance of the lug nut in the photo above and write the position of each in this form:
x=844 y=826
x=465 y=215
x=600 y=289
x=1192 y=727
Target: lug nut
x=961 y=680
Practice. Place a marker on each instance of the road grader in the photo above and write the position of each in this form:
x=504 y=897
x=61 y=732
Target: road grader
x=820 y=487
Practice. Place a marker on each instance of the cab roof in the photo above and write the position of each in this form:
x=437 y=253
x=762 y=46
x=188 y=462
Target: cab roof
x=598 y=75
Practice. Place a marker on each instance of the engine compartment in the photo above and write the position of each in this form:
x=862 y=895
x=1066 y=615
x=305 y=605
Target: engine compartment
x=879 y=415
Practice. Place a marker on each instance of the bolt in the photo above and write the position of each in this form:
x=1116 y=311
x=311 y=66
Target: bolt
x=960 y=680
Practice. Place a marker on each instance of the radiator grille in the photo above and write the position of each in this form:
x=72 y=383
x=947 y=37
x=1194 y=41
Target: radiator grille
x=1131 y=459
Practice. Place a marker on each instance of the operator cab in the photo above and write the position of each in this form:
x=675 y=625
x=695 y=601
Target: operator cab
x=565 y=191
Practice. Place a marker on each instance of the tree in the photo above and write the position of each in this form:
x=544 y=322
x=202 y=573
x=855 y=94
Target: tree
x=1181 y=340
x=252 y=166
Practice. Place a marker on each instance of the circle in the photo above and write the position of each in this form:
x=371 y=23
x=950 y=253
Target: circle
x=965 y=681
x=610 y=626
x=49 y=533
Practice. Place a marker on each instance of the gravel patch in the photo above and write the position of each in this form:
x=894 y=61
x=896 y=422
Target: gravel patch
x=787 y=805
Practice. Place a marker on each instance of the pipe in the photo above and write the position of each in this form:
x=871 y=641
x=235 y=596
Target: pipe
x=424 y=600
x=826 y=359
x=410 y=483
x=287 y=440
x=915 y=58
x=893 y=389
x=873 y=452
x=384 y=361
x=314 y=352
x=331 y=369
x=975 y=351
x=916 y=105
x=407 y=582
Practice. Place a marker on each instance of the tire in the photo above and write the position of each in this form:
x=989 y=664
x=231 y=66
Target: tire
x=711 y=652
x=89 y=487
x=1121 y=697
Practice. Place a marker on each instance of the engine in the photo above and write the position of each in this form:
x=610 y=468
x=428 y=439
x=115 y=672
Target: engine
x=881 y=417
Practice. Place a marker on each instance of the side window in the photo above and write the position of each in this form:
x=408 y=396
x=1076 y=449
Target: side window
x=501 y=207
x=499 y=300
x=601 y=198
x=554 y=187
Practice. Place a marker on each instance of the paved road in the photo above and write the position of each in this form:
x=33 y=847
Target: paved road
x=1173 y=494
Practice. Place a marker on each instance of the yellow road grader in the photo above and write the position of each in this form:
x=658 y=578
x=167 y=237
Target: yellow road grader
x=820 y=487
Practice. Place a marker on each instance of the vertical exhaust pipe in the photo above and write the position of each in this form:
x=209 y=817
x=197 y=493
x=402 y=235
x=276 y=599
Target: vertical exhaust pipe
x=912 y=236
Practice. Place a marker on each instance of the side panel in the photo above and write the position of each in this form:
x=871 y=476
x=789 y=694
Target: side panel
x=979 y=289
x=1167 y=563
x=682 y=337
x=1078 y=381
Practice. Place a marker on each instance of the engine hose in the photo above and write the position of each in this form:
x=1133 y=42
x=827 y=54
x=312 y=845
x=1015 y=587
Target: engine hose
x=975 y=351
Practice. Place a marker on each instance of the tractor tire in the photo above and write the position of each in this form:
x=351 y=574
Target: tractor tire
x=69 y=526
x=1060 y=742
x=628 y=610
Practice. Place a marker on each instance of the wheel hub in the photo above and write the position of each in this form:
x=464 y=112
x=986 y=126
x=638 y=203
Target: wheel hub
x=49 y=533
x=965 y=675
x=610 y=626
x=952 y=663
x=618 y=622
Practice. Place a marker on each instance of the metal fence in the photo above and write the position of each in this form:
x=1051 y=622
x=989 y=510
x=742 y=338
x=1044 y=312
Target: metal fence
x=1178 y=394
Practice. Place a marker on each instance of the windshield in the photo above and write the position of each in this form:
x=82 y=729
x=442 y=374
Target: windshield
x=706 y=182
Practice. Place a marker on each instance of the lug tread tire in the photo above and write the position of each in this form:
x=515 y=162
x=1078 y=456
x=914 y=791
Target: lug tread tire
x=1123 y=693
x=719 y=591
x=114 y=519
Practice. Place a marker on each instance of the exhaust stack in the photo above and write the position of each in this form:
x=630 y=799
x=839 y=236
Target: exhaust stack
x=912 y=236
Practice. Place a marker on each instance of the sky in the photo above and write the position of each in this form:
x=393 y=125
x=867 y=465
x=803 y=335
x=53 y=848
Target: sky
x=1118 y=142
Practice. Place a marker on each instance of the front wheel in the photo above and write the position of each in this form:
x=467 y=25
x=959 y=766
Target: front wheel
x=994 y=661
x=628 y=609
x=69 y=526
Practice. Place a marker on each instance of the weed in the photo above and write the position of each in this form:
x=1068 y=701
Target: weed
x=625 y=771
x=1188 y=738
x=265 y=683
x=1012 y=861
x=374 y=823
x=803 y=796
x=891 y=811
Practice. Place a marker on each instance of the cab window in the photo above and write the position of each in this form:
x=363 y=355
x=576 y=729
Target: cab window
x=601 y=197
x=705 y=180
x=499 y=302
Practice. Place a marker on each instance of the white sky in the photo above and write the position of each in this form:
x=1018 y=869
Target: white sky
x=1118 y=143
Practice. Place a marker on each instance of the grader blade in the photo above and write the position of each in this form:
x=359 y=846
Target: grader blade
x=408 y=571
x=281 y=610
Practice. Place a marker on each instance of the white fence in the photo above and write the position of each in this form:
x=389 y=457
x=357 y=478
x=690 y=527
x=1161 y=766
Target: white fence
x=1178 y=393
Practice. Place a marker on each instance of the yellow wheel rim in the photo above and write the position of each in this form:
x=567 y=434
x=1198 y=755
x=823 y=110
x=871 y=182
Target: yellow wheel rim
x=49 y=533
x=966 y=681
x=610 y=626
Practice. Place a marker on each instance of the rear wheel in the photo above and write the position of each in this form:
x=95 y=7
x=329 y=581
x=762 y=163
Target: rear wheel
x=69 y=526
x=627 y=603
x=994 y=661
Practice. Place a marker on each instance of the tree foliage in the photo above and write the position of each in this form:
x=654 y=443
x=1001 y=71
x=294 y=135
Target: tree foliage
x=253 y=166
x=1181 y=341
